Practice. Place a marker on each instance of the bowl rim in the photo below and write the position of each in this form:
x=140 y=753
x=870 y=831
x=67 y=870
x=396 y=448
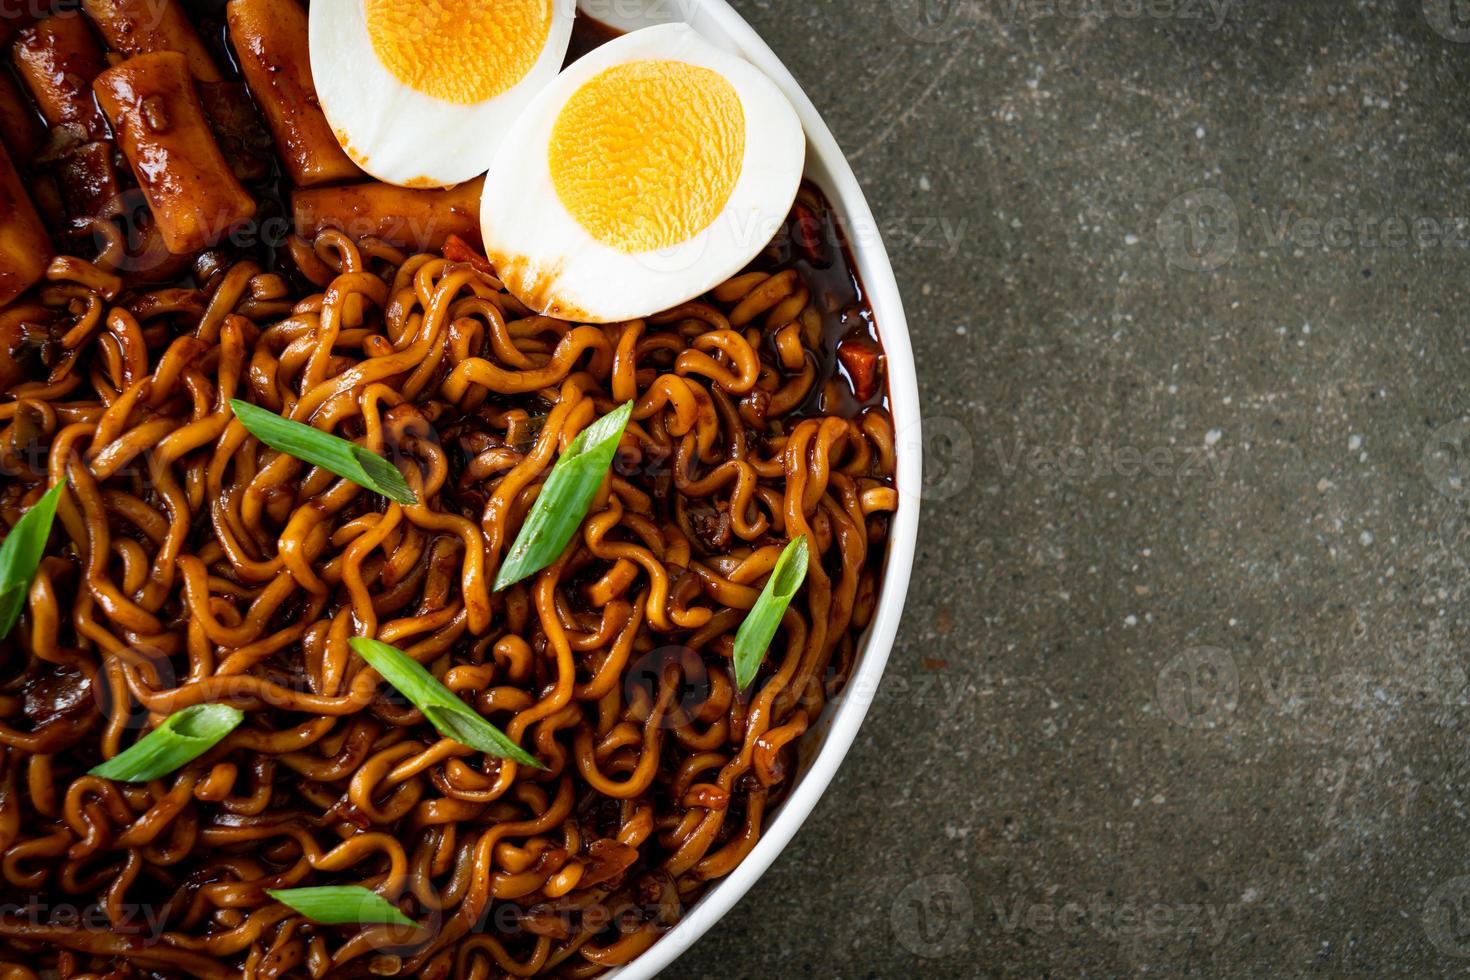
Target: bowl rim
x=827 y=166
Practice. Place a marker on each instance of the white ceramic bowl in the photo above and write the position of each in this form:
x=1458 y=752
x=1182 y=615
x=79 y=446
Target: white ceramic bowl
x=826 y=743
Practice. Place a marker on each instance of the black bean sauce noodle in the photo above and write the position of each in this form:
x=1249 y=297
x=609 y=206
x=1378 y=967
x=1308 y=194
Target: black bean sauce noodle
x=189 y=564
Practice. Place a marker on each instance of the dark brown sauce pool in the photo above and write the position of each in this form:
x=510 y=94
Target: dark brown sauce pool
x=588 y=34
x=825 y=263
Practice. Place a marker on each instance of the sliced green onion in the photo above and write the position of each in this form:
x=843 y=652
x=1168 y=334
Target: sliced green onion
x=346 y=459
x=20 y=556
x=452 y=717
x=759 y=628
x=183 y=737
x=342 y=905
x=564 y=499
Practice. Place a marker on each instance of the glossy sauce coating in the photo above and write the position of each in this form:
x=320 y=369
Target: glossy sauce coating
x=402 y=216
x=135 y=27
x=270 y=41
x=162 y=131
x=58 y=59
x=20 y=130
x=90 y=182
x=25 y=248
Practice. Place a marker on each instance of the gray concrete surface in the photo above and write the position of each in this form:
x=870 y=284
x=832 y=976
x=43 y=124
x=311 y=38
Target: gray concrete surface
x=1181 y=687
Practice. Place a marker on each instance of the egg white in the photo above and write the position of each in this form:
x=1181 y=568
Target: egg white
x=548 y=260
x=400 y=135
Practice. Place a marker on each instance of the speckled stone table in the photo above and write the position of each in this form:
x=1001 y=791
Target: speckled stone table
x=1182 y=683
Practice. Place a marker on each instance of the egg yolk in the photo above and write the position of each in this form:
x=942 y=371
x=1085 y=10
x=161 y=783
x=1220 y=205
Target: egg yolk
x=646 y=154
x=463 y=51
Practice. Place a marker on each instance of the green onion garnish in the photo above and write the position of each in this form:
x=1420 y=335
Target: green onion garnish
x=342 y=905
x=183 y=737
x=759 y=628
x=346 y=459
x=452 y=717
x=565 y=497
x=20 y=556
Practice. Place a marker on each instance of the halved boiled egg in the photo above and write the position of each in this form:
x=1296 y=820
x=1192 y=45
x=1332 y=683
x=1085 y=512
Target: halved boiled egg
x=421 y=92
x=646 y=174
